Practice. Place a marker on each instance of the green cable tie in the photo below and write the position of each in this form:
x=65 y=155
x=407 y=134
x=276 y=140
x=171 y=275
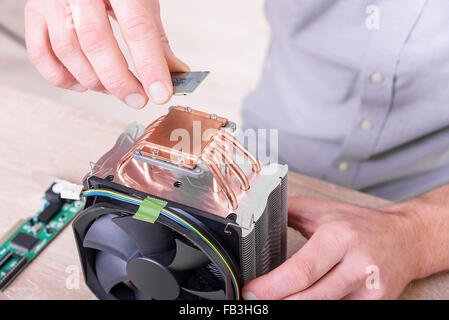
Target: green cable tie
x=150 y=209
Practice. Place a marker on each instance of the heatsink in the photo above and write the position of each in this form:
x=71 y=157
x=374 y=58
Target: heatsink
x=213 y=182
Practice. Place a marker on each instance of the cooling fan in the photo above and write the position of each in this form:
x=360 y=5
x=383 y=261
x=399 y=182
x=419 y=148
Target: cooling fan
x=139 y=260
x=163 y=223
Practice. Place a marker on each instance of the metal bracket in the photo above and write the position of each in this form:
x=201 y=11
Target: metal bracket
x=226 y=229
x=197 y=173
x=92 y=172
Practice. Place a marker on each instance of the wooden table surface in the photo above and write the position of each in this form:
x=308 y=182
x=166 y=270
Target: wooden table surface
x=41 y=141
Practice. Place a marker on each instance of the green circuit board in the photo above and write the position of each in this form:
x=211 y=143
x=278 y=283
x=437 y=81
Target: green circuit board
x=29 y=237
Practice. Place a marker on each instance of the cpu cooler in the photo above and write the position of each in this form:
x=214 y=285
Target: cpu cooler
x=180 y=210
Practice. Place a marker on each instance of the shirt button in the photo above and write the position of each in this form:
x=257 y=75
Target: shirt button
x=343 y=166
x=366 y=125
x=377 y=78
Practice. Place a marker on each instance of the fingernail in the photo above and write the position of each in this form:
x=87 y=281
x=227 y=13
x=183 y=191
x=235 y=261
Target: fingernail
x=159 y=93
x=135 y=100
x=78 y=88
x=248 y=295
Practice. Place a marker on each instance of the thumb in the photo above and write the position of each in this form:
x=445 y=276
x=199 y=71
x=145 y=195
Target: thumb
x=174 y=63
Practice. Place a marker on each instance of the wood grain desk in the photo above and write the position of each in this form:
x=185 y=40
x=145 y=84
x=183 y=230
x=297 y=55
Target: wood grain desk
x=40 y=140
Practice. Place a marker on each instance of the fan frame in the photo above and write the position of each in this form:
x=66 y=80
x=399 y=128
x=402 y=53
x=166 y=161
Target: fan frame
x=210 y=225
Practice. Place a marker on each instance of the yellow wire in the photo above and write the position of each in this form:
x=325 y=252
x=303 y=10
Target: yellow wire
x=114 y=193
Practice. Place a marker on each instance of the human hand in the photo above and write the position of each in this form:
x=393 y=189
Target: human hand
x=83 y=53
x=347 y=244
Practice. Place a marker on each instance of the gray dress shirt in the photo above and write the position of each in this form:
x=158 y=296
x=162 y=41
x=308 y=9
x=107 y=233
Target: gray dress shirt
x=359 y=91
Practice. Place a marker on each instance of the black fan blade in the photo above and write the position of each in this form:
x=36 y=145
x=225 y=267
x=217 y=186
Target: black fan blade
x=150 y=238
x=187 y=257
x=110 y=269
x=152 y=278
x=105 y=235
x=210 y=295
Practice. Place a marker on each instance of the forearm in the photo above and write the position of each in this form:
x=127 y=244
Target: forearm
x=429 y=221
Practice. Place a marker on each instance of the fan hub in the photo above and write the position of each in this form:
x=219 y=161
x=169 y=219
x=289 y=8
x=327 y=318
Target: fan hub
x=153 y=279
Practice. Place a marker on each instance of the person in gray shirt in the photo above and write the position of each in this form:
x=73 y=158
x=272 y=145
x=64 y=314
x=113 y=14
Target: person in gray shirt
x=357 y=91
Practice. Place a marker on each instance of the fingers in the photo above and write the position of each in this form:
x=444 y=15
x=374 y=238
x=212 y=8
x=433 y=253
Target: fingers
x=306 y=214
x=41 y=54
x=99 y=45
x=143 y=38
x=89 y=56
x=319 y=255
x=65 y=45
x=335 y=285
